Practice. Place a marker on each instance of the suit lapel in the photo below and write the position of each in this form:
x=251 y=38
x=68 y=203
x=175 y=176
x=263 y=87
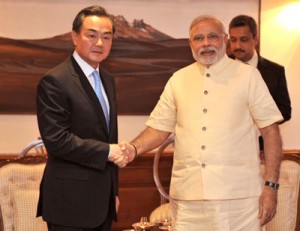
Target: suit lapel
x=263 y=68
x=85 y=87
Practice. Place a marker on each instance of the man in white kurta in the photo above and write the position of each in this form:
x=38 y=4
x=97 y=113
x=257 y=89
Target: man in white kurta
x=214 y=113
x=214 y=106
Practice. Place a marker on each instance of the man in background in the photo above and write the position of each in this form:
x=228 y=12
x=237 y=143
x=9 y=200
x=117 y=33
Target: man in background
x=243 y=42
x=77 y=118
x=214 y=107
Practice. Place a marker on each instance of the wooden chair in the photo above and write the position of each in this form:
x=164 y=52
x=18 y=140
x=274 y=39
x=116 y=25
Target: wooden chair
x=163 y=212
x=37 y=145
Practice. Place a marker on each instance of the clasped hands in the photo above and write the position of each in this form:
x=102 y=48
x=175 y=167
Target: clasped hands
x=121 y=154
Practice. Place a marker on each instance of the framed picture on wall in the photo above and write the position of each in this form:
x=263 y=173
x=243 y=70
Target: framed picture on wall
x=150 y=43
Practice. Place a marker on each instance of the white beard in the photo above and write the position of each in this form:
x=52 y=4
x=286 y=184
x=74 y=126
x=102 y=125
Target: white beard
x=207 y=61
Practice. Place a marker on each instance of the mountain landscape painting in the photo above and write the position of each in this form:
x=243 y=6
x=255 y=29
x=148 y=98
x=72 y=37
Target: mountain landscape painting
x=142 y=60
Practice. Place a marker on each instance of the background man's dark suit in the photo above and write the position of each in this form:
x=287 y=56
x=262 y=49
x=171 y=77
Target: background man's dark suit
x=79 y=184
x=274 y=76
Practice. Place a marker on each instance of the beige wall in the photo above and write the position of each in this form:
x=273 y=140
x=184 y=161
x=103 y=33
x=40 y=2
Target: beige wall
x=282 y=45
x=16 y=131
x=277 y=44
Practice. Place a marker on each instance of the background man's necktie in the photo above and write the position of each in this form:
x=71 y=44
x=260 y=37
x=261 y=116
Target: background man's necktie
x=100 y=95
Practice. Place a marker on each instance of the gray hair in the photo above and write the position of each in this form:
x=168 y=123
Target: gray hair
x=207 y=18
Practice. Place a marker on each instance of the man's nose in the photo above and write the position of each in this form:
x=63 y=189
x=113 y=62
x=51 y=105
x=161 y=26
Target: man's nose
x=99 y=41
x=238 y=44
x=206 y=41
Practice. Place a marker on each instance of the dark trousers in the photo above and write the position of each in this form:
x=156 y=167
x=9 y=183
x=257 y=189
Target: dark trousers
x=106 y=226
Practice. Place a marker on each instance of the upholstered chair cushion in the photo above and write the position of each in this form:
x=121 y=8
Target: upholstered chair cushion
x=161 y=213
x=19 y=188
x=24 y=207
x=288 y=193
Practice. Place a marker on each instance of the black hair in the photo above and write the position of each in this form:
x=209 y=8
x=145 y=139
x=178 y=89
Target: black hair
x=244 y=20
x=90 y=11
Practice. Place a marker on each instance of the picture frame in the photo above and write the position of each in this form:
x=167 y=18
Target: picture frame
x=150 y=44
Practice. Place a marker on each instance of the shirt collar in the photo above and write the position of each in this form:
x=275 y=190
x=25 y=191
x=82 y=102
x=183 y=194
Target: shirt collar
x=216 y=67
x=254 y=60
x=85 y=67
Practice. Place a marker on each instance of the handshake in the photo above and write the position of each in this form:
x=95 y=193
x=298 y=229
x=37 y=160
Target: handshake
x=122 y=154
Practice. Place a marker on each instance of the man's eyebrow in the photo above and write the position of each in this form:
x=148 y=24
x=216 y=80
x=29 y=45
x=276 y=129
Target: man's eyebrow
x=92 y=30
x=95 y=31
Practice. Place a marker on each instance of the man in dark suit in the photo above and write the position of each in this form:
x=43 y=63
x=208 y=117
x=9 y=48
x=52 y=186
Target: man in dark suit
x=243 y=42
x=80 y=184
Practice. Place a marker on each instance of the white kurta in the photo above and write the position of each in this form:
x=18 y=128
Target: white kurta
x=214 y=113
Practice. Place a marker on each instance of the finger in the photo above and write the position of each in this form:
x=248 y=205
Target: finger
x=260 y=212
x=123 y=145
x=126 y=161
x=266 y=218
x=119 y=159
x=114 y=158
x=122 y=161
x=126 y=158
x=263 y=221
x=123 y=164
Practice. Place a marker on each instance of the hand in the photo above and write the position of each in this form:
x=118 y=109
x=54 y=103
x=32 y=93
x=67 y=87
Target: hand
x=128 y=150
x=117 y=204
x=117 y=156
x=267 y=205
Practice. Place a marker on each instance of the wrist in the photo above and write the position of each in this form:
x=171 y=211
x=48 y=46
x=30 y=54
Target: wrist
x=113 y=151
x=274 y=186
x=109 y=151
x=135 y=150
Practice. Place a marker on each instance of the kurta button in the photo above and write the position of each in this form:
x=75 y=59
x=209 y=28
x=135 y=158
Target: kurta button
x=207 y=75
x=205 y=92
x=203 y=165
x=203 y=128
x=204 y=110
x=203 y=147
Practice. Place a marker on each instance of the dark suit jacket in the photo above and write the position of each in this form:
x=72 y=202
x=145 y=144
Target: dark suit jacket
x=274 y=76
x=79 y=185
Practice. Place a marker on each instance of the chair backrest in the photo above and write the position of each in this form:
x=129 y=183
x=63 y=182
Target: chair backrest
x=163 y=194
x=163 y=212
x=19 y=192
x=37 y=145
